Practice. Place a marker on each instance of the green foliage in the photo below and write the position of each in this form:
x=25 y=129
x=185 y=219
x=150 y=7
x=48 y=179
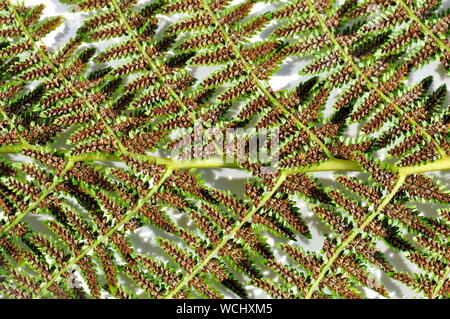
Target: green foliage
x=95 y=127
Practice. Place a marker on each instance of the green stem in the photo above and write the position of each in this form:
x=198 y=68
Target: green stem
x=333 y=164
x=46 y=58
x=250 y=72
x=141 y=47
x=324 y=269
x=225 y=239
x=66 y=81
x=423 y=26
x=56 y=70
x=102 y=238
x=440 y=283
x=438 y=165
x=369 y=82
x=33 y=205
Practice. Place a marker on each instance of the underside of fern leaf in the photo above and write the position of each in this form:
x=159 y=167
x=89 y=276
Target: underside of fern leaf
x=109 y=140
